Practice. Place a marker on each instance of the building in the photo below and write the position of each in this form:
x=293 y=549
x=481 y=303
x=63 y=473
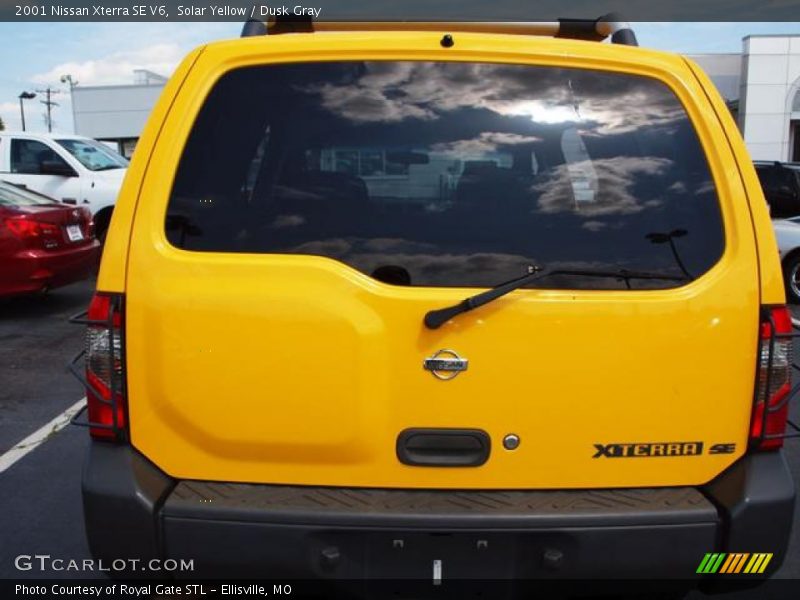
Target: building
x=116 y=113
x=761 y=86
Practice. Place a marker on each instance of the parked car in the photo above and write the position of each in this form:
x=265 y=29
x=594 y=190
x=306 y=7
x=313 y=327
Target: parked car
x=781 y=184
x=43 y=243
x=70 y=168
x=439 y=303
x=787 y=233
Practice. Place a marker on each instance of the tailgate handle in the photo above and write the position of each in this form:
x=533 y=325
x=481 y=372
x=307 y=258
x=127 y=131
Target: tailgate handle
x=422 y=447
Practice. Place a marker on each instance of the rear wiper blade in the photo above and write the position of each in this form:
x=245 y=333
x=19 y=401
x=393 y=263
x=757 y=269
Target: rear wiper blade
x=436 y=318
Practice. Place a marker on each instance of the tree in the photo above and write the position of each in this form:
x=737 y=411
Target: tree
x=2 y=125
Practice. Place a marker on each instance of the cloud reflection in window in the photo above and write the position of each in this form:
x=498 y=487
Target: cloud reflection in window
x=603 y=103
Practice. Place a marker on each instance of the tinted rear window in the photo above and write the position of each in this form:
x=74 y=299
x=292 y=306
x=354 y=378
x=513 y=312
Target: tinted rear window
x=449 y=174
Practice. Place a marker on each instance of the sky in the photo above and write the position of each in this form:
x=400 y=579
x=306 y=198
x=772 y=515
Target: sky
x=36 y=55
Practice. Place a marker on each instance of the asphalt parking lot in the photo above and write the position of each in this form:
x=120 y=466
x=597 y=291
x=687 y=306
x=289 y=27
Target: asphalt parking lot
x=40 y=507
x=40 y=504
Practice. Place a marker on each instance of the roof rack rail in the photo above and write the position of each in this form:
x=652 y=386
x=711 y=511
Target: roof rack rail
x=610 y=25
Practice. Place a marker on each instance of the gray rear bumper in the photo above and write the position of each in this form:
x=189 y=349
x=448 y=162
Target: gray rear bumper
x=132 y=509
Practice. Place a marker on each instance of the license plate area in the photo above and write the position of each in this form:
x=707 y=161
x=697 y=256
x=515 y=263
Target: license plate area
x=439 y=557
x=74 y=233
x=435 y=560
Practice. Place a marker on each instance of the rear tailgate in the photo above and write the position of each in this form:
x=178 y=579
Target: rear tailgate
x=265 y=345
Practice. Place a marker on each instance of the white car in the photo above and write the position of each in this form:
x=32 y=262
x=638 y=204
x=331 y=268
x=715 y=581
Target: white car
x=73 y=169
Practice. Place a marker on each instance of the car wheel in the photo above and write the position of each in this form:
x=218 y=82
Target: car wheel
x=100 y=234
x=101 y=222
x=791 y=277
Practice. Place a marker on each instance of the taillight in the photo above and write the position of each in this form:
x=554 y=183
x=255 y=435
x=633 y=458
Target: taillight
x=88 y=222
x=27 y=229
x=773 y=379
x=105 y=395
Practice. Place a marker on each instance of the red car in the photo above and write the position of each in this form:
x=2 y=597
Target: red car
x=43 y=244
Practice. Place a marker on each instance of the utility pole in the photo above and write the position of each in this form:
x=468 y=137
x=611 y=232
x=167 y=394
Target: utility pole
x=67 y=78
x=48 y=92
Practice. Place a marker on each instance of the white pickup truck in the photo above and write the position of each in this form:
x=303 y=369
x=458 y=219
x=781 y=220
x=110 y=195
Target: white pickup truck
x=70 y=168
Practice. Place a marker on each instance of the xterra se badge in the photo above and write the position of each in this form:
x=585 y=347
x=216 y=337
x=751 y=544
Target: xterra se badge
x=649 y=449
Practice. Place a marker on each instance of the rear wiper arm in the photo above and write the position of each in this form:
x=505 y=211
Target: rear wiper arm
x=436 y=318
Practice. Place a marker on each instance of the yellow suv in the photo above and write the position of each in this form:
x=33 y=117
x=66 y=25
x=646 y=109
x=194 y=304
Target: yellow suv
x=439 y=301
